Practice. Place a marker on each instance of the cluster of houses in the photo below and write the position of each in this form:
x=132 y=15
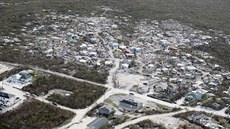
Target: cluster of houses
x=197 y=95
x=8 y=97
x=7 y=40
x=158 y=55
x=74 y=39
x=20 y=79
x=106 y=112
x=156 y=51
x=205 y=121
x=155 y=59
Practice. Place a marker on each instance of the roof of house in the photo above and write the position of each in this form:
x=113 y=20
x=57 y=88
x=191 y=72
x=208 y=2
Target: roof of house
x=6 y=95
x=106 y=107
x=130 y=102
x=130 y=105
x=98 y=123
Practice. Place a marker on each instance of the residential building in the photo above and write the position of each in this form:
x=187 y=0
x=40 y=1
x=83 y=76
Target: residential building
x=98 y=123
x=130 y=105
x=105 y=110
x=7 y=99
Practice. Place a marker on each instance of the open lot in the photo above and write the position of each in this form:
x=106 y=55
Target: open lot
x=34 y=114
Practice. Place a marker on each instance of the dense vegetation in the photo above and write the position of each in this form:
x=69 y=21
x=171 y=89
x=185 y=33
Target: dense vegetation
x=83 y=94
x=220 y=50
x=146 y=124
x=34 y=114
x=227 y=111
x=162 y=111
x=11 y=72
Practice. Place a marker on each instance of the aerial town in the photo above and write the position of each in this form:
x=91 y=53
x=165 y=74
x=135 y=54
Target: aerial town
x=70 y=71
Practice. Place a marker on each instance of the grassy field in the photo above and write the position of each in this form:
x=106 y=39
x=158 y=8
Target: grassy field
x=84 y=94
x=34 y=115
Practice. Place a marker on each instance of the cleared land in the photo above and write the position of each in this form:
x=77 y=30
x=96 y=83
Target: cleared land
x=34 y=114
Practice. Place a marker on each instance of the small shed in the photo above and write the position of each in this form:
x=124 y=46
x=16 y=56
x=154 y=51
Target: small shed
x=118 y=115
x=125 y=66
x=105 y=110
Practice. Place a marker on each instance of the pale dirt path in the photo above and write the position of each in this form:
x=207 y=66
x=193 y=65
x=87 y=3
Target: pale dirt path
x=4 y=68
x=157 y=118
x=112 y=72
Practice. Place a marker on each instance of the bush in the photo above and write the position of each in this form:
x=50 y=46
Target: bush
x=84 y=94
x=34 y=114
x=147 y=124
x=227 y=111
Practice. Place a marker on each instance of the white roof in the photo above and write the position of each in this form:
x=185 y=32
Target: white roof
x=82 y=61
x=122 y=47
x=191 y=68
x=150 y=65
x=93 y=53
x=83 y=46
x=108 y=62
x=125 y=65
